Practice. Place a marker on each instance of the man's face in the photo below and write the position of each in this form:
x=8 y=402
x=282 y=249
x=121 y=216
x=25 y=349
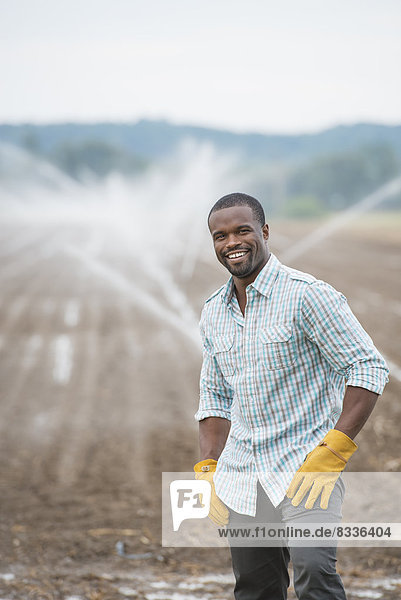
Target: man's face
x=239 y=240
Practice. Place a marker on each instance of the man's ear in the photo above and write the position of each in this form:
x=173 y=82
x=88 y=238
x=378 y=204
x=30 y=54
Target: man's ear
x=265 y=230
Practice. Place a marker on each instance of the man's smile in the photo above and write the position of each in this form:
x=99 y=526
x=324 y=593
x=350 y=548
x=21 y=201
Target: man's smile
x=237 y=255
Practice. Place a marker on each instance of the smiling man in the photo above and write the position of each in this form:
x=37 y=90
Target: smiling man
x=289 y=377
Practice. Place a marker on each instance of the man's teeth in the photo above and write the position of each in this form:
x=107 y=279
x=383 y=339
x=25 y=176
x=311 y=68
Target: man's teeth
x=236 y=254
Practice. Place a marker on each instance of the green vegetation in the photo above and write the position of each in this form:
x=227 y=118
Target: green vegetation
x=303 y=207
x=96 y=157
x=340 y=179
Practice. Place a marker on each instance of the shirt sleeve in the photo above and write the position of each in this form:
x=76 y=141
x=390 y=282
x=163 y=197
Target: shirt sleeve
x=215 y=393
x=328 y=321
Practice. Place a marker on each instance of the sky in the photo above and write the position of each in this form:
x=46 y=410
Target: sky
x=256 y=65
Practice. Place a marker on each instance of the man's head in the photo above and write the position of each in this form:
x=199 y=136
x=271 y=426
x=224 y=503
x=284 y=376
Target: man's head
x=240 y=234
x=239 y=199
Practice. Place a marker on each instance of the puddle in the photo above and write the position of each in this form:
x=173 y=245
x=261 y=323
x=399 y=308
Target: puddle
x=145 y=585
x=72 y=313
x=63 y=359
x=374 y=588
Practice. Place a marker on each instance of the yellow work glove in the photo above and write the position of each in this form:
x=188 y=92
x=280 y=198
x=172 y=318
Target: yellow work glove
x=218 y=512
x=321 y=469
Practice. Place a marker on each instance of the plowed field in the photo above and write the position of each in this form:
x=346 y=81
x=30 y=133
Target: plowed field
x=99 y=377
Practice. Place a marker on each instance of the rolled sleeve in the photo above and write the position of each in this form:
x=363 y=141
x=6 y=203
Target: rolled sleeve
x=215 y=394
x=369 y=375
x=328 y=321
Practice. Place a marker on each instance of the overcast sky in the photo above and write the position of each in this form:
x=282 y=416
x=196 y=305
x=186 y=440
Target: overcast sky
x=250 y=65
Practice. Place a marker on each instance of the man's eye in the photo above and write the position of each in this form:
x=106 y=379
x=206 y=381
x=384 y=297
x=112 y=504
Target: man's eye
x=219 y=237
x=244 y=230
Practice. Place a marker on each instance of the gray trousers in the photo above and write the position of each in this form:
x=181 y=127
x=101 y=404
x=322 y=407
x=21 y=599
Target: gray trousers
x=261 y=571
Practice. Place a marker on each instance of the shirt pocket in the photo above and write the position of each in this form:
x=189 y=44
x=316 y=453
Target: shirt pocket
x=223 y=352
x=278 y=346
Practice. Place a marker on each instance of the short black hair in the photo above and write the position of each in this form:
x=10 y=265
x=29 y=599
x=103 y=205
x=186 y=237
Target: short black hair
x=239 y=199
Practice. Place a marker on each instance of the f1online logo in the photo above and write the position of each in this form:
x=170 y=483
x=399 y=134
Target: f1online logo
x=190 y=499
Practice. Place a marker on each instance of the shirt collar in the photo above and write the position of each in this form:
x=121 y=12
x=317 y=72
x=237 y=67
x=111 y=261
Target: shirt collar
x=263 y=282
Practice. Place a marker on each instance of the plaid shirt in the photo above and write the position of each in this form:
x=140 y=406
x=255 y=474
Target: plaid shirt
x=279 y=374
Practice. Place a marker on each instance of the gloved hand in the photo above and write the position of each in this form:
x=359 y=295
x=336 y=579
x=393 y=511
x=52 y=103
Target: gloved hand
x=321 y=469
x=218 y=512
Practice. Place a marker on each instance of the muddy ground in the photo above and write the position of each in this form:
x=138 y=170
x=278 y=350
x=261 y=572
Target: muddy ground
x=98 y=392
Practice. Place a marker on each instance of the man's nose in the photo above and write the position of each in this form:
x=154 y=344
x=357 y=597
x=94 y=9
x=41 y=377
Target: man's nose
x=232 y=241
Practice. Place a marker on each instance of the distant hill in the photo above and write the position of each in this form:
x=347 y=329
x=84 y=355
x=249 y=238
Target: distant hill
x=151 y=140
x=299 y=176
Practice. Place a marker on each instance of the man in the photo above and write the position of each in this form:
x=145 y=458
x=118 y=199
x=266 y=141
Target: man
x=288 y=371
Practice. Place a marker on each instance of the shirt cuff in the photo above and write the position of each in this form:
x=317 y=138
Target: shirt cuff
x=212 y=412
x=372 y=379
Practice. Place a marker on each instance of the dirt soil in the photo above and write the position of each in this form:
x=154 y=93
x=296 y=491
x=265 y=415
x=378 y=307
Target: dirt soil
x=97 y=396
